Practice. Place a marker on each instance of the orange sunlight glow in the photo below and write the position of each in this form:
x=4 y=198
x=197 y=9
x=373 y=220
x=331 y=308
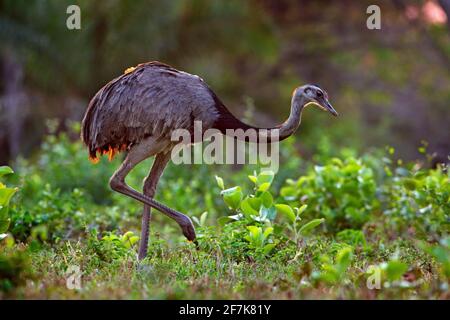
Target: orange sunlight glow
x=432 y=13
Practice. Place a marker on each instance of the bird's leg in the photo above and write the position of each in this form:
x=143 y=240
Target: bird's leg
x=150 y=184
x=117 y=183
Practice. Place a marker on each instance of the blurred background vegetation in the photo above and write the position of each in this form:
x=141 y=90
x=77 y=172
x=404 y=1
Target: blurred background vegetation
x=370 y=176
x=391 y=86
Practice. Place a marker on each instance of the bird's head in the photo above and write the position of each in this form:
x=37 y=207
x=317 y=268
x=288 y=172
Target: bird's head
x=315 y=95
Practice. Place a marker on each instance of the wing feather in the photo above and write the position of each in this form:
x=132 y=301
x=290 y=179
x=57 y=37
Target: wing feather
x=152 y=100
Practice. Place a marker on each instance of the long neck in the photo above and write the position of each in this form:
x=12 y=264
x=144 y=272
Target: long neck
x=228 y=121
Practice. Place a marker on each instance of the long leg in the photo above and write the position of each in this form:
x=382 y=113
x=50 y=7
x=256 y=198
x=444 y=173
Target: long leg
x=150 y=183
x=117 y=183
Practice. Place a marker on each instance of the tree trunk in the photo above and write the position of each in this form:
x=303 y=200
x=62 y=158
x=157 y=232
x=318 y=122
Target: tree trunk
x=13 y=99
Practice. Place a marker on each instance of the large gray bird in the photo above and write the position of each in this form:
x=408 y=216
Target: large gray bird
x=139 y=110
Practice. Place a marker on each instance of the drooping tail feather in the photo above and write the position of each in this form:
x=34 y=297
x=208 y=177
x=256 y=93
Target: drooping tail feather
x=86 y=129
x=94 y=151
x=111 y=151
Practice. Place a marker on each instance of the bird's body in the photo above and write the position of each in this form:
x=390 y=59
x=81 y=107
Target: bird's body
x=138 y=112
x=151 y=100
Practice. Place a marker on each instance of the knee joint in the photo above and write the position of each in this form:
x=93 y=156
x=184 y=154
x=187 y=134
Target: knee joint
x=115 y=183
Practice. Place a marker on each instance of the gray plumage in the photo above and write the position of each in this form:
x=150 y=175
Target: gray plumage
x=139 y=110
x=151 y=100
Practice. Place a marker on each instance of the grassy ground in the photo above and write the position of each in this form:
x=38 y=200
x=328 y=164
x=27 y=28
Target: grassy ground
x=345 y=226
x=187 y=273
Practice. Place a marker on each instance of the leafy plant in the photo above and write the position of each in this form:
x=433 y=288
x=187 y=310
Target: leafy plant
x=113 y=246
x=355 y=238
x=419 y=198
x=394 y=269
x=256 y=207
x=15 y=268
x=5 y=197
x=259 y=239
x=332 y=273
x=57 y=215
x=293 y=216
x=259 y=211
x=342 y=191
x=202 y=220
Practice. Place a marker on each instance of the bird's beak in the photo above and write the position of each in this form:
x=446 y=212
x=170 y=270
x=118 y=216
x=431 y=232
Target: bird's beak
x=330 y=108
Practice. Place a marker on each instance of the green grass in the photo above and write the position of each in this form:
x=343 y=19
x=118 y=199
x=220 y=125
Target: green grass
x=185 y=273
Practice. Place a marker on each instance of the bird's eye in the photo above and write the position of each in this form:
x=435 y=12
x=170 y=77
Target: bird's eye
x=319 y=94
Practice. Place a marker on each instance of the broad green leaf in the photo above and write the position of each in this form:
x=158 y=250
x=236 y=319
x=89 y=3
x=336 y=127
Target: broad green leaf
x=232 y=197
x=264 y=187
x=289 y=193
x=203 y=218
x=336 y=161
x=302 y=209
x=268 y=232
x=287 y=211
x=254 y=231
x=264 y=177
x=247 y=208
x=302 y=180
x=253 y=179
x=4 y=222
x=310 y=225
x=130 y=241
x=395 y=270
x=5 y=195
x=219 y=181
x=4 y=170
x=266 y=199
x=343 y=259
x=3 y=212
x=269 y=247
x=134 y=239
x=195 y=219
x=224 y=220
x=127 y=235
x=255 y=203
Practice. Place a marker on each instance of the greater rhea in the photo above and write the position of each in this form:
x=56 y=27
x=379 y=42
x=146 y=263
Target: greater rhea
x=139 y=110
